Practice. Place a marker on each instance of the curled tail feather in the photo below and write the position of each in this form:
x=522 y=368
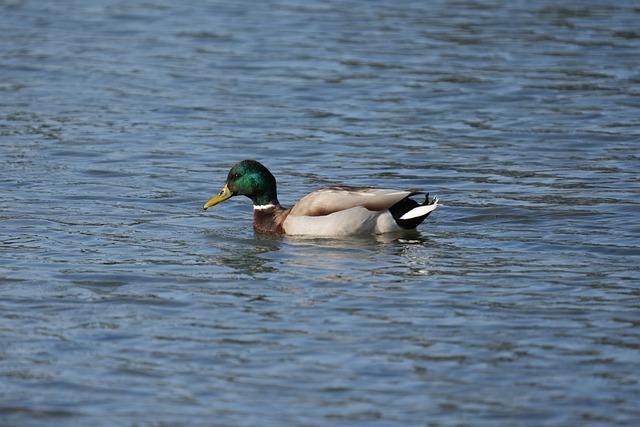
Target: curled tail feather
x=409 y=214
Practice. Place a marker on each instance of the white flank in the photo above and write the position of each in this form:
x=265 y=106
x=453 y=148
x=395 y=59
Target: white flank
x=352 y=221
x=421 y=210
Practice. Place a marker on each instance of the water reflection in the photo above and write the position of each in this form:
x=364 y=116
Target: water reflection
x=244 y=255
x=390 y=257
x=262 y=256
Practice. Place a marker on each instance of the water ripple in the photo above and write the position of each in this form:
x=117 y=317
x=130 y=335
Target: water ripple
x=515 y=303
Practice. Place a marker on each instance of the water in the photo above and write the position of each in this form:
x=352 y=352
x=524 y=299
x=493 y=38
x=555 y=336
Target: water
x=122 y=303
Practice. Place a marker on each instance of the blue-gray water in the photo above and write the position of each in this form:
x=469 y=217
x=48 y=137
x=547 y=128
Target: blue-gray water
x=123 y=303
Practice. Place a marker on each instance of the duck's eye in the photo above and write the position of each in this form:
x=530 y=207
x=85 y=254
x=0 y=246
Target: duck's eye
x=235 y=176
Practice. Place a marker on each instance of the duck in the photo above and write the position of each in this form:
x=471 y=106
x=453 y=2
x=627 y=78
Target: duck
x=330 y=211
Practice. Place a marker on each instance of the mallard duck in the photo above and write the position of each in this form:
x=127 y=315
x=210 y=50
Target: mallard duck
x=331 y=211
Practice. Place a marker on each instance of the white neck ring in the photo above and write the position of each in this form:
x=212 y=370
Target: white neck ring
x=263 y=207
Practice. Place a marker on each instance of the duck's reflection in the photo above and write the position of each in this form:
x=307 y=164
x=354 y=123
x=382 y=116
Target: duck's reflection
x=246 y=255
x=337 y=259
x=391 y=256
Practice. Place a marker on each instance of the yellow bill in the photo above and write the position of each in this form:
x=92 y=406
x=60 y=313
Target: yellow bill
x=223 y=195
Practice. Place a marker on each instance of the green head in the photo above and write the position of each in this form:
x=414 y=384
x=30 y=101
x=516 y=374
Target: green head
x=248 y=178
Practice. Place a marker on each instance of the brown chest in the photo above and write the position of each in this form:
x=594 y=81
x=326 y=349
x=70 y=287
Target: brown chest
x=269 y=220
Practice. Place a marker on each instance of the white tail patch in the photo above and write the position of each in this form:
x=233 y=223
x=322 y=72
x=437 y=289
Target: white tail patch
x=421 y=210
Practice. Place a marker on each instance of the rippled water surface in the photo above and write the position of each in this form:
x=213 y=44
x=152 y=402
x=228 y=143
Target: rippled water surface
x=123 y=303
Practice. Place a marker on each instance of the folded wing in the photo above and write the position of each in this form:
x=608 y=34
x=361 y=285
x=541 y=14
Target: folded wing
x=333 y=199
